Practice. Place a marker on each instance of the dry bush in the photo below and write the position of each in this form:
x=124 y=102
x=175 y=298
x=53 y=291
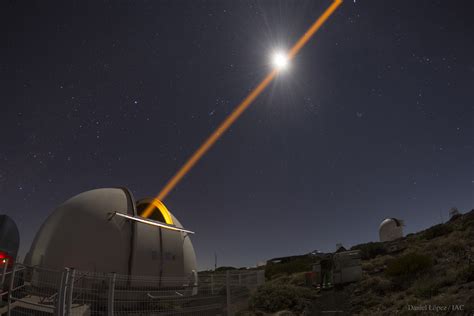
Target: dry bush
x=448 y=279
x=467 y=224
x=381 y=261
x=383 y=286
x=454 y=245
x=298 y=279
x=367 y=266
x=466 y=274
x=367 y=283
x=370 y=250
x=280 y=279
x=437 y=231
x=289 y=267
x=425 y=288
x=277 y=297
x=388 y=301
x=377 y=285
x=409 y=265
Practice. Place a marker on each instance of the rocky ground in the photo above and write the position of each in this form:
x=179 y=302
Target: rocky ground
x=431 y=273
x=428 y=273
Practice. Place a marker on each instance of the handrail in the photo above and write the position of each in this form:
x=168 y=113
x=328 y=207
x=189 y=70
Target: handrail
x=150 y=222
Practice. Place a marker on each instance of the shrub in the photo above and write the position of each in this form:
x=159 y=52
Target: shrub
x=293 y=279
x=409 y=265
x=377 y=284
x=425 y=288
x=467 y=224
x=281 y=279
x=383 y=287
x=273 y=298
x=448 y=279
x=466 y=274
x=367 y=266
x=220 y=269
x=298 y=279
x=456 y=247
x=370 y=250
x=292 y=266
x=437 y=231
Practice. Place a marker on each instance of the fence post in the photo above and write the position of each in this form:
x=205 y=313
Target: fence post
x=227 y=287
x=212 y=284
x=10 y=288
x=195 y=283
x=111 y=296
x=4 y=272
x=59 y=310
x=69 y=291
x=260 y=277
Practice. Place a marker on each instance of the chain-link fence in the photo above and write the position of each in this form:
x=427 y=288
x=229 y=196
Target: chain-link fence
x=38 y=291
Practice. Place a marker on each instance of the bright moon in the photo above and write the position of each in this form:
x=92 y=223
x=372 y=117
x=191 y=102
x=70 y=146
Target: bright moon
x=280 y=60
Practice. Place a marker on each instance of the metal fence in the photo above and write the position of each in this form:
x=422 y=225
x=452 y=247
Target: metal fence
x=38 y=291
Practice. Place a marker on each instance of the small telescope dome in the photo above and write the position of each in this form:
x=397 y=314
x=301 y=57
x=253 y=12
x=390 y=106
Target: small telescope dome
x=390 y=229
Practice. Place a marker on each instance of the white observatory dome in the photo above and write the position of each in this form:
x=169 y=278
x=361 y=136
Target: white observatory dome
x=84 y=233
x=390 y=229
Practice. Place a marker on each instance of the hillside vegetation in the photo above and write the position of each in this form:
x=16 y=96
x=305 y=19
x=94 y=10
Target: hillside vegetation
x=432 y=269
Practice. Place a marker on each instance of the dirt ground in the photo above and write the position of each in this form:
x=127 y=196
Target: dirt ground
x=331 y=302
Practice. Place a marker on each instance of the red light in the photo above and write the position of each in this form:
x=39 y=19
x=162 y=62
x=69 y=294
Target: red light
x=4 y=257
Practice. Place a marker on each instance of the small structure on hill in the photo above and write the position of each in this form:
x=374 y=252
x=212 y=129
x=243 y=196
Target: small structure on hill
x=395 y=246
x=454 y=213
x=342 y=267
x=347 y=267
x=340 y=248
x=391 y=229
x=286 y=259
x=327 y=269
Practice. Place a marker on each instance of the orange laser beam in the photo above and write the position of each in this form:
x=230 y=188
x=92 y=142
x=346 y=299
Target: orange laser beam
x=316 y=26
x=240 y=108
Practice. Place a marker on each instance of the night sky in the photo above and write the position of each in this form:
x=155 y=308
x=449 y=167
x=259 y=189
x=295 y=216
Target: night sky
x=373 y=119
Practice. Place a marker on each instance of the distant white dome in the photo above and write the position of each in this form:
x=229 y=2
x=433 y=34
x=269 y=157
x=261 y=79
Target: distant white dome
x=391 y=229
